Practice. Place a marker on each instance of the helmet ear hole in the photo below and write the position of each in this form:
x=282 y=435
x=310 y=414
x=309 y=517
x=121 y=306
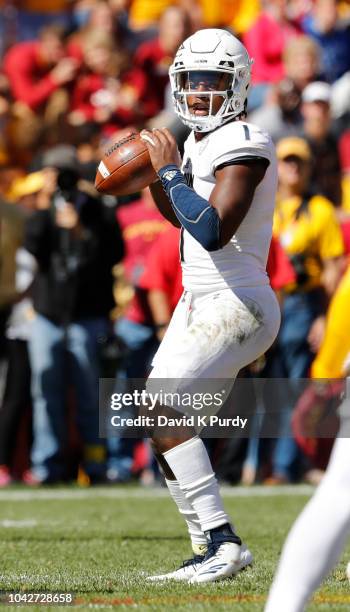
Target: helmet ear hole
x=242 y=74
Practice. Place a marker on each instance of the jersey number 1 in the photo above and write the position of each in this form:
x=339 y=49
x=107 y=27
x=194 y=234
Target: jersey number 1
x=246 y=132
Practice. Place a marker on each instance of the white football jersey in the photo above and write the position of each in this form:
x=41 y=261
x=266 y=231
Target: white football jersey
x=241 y=262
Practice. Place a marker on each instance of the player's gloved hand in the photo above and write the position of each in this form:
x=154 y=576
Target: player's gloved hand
x=162 y=147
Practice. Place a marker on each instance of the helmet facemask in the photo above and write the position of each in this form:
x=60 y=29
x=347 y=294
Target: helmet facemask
x=189 y=84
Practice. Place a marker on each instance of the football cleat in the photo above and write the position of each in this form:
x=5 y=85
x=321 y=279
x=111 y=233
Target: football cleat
x=189 y=568
x=184 y=573
x=225 y=557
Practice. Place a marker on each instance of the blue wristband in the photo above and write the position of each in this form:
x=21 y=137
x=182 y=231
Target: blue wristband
x=195 y=213
x=171 y=174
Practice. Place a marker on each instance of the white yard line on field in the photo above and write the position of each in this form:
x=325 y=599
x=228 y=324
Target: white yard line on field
x=140 y=493
x=7 y=523
x=26 y=523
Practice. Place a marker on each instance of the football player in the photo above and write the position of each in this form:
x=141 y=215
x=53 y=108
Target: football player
x=319 y=535
x=222 y=196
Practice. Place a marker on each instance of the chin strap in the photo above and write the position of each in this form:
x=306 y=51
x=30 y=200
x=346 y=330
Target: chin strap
x=195 y=213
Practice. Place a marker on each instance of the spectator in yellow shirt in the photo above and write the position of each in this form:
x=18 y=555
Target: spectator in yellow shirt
x=306 y=223
x=307 y=228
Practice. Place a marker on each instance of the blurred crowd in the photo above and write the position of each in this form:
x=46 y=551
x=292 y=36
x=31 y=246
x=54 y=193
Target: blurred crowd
x=88 y=283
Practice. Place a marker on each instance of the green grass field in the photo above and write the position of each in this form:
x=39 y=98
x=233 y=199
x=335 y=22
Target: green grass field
x=100 y=543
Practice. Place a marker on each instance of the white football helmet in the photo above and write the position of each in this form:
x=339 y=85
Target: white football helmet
x=210 y=51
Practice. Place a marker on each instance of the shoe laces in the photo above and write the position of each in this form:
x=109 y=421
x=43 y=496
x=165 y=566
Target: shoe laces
x=213 y=548
x=193 y=561
x=217 y=541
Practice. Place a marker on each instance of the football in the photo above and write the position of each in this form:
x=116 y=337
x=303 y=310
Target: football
x=125 y=167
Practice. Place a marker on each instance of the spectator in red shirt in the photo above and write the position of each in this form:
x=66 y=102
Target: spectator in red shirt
x=265 y=42
x=141 y=224
x=162 y=279
x=37 y=70
x=280 y=114
x=155 y=56
x=98 y=15
x=108 y=91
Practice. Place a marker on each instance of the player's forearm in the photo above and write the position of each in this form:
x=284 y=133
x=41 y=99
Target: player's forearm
x=195 y=213
x=163 y=203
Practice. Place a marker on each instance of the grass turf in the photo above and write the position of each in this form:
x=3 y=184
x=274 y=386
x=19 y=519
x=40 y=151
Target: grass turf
x=102 y=543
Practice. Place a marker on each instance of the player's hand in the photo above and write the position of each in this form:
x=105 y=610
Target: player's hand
x=162 y=147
